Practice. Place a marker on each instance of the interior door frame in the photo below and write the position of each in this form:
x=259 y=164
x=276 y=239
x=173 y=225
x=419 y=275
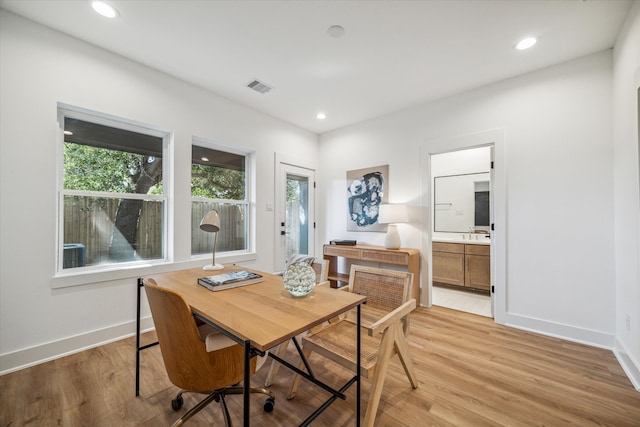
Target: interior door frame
x=493 y=138
x=282 y=163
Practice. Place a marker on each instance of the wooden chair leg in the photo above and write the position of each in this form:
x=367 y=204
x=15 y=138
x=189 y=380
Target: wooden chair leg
x=405 y=358
x=296 y=379
x=280 y=351
x=384 y=355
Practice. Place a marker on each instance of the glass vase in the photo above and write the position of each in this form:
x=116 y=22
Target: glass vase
x=299 y=279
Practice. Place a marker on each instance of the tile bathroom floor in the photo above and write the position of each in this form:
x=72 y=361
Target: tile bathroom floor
x=470 y=302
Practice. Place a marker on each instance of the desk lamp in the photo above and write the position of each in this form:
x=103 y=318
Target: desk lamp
x=392 y=214
x=211 y=224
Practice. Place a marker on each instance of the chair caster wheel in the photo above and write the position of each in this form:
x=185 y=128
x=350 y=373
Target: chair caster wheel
x=269 y=404
x=177 y=403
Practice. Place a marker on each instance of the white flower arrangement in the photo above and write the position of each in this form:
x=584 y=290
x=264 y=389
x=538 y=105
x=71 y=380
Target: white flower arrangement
x=299 y=279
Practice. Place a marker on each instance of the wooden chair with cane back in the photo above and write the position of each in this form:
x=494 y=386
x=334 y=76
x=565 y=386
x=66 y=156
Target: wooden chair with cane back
x=385 y=326
x=197 y=358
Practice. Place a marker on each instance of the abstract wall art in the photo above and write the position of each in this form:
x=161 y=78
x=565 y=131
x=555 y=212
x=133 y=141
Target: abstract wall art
x=366 y=191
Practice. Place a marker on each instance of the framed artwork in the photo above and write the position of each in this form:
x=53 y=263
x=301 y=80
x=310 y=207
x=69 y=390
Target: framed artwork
x=366 y=191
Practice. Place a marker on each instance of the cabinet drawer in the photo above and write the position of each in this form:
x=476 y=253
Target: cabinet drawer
x=477 y=250
x=386 y=257
x=454 y=248
x=337 y=250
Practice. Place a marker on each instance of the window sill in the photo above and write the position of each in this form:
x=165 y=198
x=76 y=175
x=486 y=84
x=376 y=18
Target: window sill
x=69 y=277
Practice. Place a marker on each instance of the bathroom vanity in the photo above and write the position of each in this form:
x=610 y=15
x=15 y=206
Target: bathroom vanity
x=464 y=263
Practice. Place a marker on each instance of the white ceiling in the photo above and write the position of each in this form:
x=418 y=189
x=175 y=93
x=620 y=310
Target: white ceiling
x=393 y=55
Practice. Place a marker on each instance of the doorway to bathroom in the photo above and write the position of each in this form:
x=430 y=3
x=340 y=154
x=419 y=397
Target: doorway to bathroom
x=461 y=230
x=463 y=183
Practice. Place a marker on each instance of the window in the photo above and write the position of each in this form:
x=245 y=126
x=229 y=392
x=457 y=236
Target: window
x=113 y=207
x=220 y=181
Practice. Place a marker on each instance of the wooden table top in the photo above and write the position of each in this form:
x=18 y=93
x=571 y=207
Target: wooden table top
x=264 y=313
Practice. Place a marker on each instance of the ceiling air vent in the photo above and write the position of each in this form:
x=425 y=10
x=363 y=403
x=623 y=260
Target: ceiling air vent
x=259 y=86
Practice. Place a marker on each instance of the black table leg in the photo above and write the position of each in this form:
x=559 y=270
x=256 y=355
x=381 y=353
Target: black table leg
x=247 y=380
x=358 y=369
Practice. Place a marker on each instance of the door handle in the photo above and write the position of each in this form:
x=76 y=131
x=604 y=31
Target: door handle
x=282 y=232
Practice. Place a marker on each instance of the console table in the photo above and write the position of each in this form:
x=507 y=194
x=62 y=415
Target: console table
x=409 y=258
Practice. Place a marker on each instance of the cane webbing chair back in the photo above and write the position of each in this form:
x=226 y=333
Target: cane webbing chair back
x=384 y=321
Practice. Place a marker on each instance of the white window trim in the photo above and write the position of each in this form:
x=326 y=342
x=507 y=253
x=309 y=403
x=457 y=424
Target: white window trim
x=248 y=254
x=92 y=274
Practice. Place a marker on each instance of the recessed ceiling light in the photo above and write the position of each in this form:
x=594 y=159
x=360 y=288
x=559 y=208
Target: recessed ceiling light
x=67 y=132
x=321 y=116
x=336 y=31
x=526 y=43
x=204 y=159
x=104 y=9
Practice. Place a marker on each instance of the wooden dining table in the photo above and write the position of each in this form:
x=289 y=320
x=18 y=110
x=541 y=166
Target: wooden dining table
x=260 y=316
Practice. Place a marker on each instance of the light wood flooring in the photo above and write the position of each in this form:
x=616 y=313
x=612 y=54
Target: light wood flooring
x=472 y=372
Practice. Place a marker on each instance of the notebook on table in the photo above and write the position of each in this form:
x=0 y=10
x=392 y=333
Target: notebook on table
x=230 y=280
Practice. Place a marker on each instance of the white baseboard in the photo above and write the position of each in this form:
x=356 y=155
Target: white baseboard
x=20 y=359
x=562 y=331
x=589 y=337
x=630 y=366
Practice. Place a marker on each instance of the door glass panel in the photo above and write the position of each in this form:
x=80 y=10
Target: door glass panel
x=297 y=215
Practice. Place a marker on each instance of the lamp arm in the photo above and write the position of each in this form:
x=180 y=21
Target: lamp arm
x=215 y=240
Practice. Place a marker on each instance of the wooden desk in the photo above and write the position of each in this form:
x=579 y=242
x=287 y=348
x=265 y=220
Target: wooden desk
x=262 y=315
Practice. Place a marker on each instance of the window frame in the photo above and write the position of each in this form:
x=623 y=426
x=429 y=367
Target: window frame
x=81 y=273
x=248 y=202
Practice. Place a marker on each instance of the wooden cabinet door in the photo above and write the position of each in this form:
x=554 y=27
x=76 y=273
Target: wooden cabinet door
x=477 y=272
x=448 y=268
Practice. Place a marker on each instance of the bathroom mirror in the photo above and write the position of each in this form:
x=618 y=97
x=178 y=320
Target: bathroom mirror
x=461 y=202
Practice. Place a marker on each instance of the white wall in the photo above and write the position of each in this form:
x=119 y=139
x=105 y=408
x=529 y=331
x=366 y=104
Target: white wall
x=39 y=68
x=626 y=81
x=559 y=180
x=473 y=160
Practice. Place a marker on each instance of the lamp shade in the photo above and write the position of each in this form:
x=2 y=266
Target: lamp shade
x=393 y=213
x=211 y=222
